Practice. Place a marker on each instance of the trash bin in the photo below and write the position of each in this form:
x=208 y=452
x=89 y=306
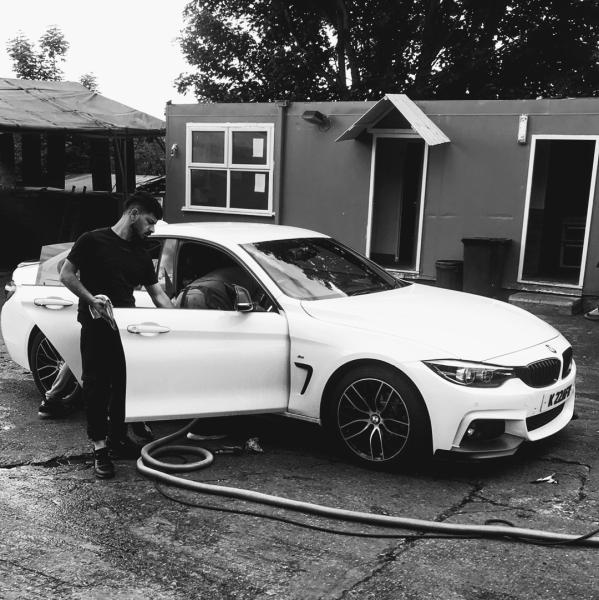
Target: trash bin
x=484 y=259
x=449 y=274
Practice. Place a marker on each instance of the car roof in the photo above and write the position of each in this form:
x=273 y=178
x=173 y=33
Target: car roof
x=234 y=233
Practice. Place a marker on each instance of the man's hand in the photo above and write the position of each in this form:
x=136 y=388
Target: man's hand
x=159 y=298
x=101 y=307
x=99 y=303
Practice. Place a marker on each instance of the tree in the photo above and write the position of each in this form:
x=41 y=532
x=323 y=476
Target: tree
x=90 y=81
x=42 y=63
x=23 y=57
x=149 y=156
x=264 y=50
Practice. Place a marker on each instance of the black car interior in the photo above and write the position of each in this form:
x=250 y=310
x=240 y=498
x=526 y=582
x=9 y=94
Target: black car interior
x=203 y=272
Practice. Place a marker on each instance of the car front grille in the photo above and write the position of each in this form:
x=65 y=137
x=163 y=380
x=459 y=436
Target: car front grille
x=541 y=373
x=537 y=421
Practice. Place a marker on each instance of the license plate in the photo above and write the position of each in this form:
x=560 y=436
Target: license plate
x=553 y=399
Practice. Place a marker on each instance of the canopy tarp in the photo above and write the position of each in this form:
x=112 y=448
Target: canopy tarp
x=67 y=106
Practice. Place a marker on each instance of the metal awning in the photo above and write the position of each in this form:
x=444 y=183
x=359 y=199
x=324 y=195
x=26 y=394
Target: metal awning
x=429 y=132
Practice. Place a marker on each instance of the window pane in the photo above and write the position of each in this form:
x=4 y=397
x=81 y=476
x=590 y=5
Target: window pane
x=249 y=147
x=208 y=147
x=208 y=188
x=249 y=190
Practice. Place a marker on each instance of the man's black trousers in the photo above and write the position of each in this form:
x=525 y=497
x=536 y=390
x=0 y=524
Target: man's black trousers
x=104 y=379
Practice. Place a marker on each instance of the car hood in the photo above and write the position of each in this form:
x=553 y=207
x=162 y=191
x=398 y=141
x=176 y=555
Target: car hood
x=454 y=324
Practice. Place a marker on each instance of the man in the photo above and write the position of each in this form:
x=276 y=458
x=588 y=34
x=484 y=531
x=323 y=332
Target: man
x=111 y=263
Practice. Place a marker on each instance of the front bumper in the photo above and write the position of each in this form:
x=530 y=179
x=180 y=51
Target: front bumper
x=489 y=423
x=518 y=428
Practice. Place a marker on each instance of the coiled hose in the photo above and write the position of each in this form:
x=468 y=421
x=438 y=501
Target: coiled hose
x=149 y=465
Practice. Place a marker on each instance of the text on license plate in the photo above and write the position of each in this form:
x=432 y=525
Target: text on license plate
x=555 y=398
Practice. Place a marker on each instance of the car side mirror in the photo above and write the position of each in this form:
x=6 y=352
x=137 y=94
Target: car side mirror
x=243 y=300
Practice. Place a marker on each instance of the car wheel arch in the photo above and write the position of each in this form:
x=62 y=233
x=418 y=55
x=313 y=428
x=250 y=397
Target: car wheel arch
x=417 y=441
x=354 y=364
x=70 y=388
x=32 y=334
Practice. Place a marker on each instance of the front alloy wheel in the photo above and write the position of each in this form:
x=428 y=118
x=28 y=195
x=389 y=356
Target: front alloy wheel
x=378 y=417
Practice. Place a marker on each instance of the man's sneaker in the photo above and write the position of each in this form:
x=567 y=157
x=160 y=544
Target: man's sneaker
x=123 y=448
x=592 y=315
x=103 y=467
x=50 y=409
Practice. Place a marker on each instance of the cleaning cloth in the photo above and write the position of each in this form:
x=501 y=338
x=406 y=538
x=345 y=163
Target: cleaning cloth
x=107 y=314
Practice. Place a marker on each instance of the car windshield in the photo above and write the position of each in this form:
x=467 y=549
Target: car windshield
x=318 y=268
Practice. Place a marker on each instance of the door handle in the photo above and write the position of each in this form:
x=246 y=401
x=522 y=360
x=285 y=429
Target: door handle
x=147 y=329
x=52 y=302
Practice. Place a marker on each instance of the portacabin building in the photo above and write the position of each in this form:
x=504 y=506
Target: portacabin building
x=407 y=183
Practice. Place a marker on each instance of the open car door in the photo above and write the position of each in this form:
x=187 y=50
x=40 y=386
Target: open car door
x=54 y=310
x=192 y=362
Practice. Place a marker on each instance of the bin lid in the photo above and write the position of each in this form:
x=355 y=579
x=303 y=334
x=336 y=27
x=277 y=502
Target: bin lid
x=449 y=263
x=487 y=241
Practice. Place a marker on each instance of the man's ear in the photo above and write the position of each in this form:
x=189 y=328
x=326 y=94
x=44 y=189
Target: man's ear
x=134 y=212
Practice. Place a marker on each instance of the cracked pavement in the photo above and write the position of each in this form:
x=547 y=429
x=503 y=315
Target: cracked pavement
x=66 y=535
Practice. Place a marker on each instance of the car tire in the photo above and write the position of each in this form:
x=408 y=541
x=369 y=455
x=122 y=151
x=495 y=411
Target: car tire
x=378 y=418
x=45 y=362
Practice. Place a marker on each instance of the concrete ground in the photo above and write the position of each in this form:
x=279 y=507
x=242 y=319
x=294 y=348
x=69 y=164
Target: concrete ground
x=66 y=535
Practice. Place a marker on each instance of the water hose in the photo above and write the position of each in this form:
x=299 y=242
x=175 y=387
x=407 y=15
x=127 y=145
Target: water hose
x=161 y=471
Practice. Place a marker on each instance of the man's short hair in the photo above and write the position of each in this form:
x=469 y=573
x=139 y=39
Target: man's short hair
x=145 y=202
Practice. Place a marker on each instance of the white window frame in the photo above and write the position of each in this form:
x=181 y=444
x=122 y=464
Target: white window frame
x=397 y=133
x=531 y=162
x=228 y=166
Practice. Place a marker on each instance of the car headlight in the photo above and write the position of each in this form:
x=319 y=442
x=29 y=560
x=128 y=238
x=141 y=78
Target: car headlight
x=9 y=289
x=473 y=374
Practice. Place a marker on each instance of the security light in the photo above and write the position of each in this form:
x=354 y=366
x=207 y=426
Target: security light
x=317 y=118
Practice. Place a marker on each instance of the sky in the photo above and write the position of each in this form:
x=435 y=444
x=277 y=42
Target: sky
x=129 y=45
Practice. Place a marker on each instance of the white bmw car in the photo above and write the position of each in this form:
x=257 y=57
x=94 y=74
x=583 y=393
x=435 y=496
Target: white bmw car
x=391 y=369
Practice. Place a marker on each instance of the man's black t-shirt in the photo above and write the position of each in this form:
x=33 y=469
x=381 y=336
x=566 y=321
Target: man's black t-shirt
x=110 y=265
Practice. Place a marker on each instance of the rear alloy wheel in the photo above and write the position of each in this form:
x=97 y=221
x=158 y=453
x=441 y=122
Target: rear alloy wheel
x=377 y=417
x=45 y=363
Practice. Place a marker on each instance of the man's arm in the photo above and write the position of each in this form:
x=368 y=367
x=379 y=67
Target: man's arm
x=159 y=297
x=68 y=277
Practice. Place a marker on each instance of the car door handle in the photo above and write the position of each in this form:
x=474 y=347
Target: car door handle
x=148 y=329
x=52 y=303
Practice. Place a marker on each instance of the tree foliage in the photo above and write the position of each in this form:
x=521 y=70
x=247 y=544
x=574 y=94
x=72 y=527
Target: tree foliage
x=149 y=156
x=43 y=62
x=263 y=50
x=90 y=81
